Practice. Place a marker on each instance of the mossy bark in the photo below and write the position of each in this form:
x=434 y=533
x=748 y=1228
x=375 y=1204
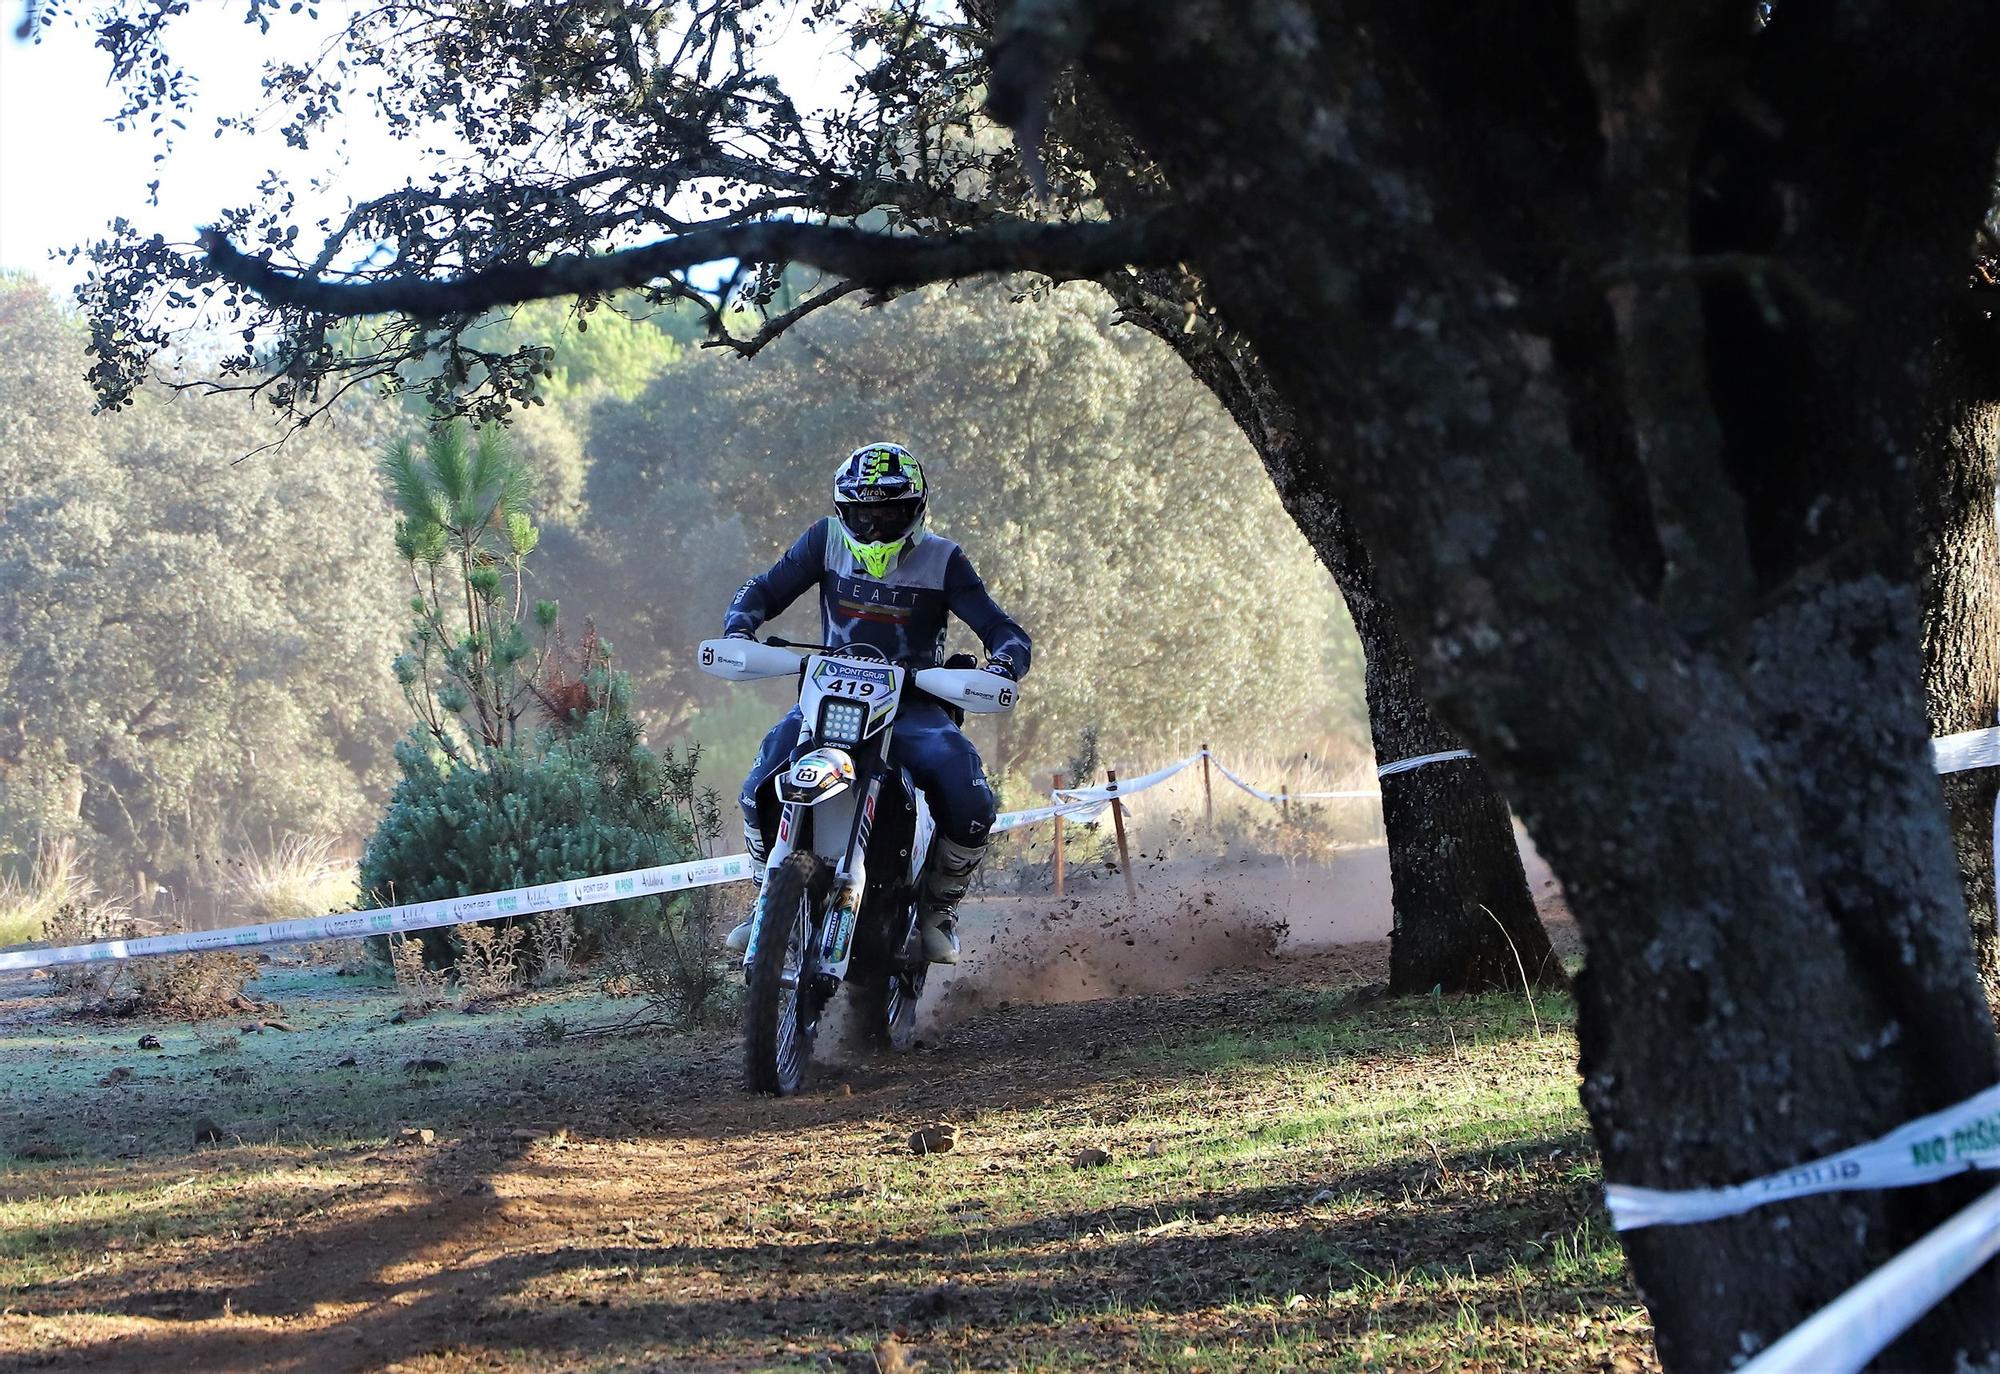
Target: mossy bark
x=1608 y=329
x=1960 y=567
x=1464 y=919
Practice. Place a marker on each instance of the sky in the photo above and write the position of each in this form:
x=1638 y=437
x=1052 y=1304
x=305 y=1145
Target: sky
x=65 y=172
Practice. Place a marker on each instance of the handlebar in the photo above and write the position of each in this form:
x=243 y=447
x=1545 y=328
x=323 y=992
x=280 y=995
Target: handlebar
x=842 y=650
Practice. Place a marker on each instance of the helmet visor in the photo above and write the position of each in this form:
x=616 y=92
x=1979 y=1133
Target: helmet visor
x=879 y=522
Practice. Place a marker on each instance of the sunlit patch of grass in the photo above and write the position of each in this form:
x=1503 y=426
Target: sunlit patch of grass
x=1299 y=1178
x=297 y=877
x=111 y=1220
x=19 y=927
x=54 y=900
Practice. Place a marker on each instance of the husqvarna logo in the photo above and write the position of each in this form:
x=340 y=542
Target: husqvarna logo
x=1006 y=696
x=708 y=655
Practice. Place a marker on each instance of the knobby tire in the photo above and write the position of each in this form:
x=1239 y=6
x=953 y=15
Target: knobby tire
x=794 y=893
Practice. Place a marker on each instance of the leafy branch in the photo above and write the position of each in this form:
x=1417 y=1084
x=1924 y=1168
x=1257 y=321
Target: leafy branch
x=867 y=259
x=463 y=530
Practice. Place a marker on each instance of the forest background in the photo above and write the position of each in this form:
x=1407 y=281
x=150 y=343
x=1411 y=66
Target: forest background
x=196 y=656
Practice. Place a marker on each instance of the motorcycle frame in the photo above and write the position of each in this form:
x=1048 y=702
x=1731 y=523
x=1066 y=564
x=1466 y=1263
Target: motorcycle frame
x=849 y=813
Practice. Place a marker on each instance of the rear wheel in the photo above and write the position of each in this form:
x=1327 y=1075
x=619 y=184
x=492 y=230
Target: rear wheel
x=783 y=1013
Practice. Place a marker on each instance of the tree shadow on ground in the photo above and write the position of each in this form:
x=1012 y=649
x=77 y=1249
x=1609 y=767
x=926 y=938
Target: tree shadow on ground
x=426 y=1262
x=998 y=1285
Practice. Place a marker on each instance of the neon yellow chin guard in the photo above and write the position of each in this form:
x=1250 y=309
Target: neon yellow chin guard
x=874 y=557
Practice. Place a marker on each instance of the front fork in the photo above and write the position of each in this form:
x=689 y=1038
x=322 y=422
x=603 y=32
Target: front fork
x=850 y=882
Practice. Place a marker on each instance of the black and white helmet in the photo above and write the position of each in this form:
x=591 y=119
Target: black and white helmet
x=880 y=496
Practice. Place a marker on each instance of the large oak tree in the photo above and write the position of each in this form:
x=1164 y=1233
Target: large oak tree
x=584 y=125
x=1608 y=325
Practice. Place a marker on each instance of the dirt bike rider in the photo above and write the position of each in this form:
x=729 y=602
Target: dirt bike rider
x=887 y=582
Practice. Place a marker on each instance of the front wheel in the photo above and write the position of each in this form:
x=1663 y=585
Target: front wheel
x=888 y=1009
x=783 y=1012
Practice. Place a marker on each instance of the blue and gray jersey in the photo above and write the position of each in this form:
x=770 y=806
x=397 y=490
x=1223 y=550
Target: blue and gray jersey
x=902 y=614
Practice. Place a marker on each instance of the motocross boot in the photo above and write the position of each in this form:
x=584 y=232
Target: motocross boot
x=945 y=879
x=738 y=940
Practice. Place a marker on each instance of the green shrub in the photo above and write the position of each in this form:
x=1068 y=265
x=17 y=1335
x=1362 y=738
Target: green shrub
x=485 y=802
x=573 y=804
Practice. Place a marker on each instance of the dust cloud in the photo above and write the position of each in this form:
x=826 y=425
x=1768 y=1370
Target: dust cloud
x=1193 y=916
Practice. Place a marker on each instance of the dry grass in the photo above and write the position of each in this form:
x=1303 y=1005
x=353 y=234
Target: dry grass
x=422 y=987
x=188 y=987
x=488 y=963
x=552 y=942
x=297 y=877
x=1299 y=1178
x=57 y=902
x=673 y=962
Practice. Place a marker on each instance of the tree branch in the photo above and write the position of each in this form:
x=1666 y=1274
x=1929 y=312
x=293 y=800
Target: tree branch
x=865 y=258
x=778 y=324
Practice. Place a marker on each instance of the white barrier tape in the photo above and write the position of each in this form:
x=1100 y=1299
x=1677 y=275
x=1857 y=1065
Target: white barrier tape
x=1952 y=753
x=1966 y=749
x=1859 y=1325
x=1952 y=1141
x=1843 y=1336
x=1125 y=787
x=1259 y=793
x=452 y=911
x=1405 y=765
x=1275 y=798
x=1085 y=811
x=1949 y=754
x=445 y=911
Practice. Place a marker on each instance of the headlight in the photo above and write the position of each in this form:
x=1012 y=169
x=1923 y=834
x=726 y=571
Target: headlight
x=841 y=722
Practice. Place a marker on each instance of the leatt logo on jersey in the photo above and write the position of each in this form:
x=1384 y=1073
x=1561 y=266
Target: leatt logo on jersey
x=877 y=601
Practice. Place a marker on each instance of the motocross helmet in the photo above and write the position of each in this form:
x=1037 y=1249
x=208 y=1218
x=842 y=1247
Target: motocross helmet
x=880 y=497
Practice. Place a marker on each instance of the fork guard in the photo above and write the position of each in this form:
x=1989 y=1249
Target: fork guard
x=816 y=776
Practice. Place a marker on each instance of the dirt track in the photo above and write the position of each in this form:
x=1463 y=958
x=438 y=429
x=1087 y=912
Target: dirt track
x=619 y=1204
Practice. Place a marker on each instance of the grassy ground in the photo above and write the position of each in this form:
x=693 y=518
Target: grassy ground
x=1299 y=1176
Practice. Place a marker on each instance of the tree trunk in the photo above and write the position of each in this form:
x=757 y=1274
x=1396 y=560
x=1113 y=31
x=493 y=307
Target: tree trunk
x=1607 y=326
x=1464 y=920
x=1961 y=599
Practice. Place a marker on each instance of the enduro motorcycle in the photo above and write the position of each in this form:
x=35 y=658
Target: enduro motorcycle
x=840 y=885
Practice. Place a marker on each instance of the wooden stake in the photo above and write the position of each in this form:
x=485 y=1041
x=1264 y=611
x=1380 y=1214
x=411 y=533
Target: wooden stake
x=1207 y=792
x=1285 y=801
x=1058 y=781
x=1118 y=824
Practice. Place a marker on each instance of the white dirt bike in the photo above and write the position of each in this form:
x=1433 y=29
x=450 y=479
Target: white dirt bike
x=840 y=886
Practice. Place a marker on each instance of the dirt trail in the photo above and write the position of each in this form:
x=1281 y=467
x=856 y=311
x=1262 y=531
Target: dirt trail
x=710 y=1222
x=621 y=1204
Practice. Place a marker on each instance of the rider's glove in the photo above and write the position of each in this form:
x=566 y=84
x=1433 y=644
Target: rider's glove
x=1004 y=666
x=741 y=634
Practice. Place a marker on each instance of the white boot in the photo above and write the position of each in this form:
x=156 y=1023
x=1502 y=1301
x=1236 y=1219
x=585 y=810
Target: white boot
x=946 y=876
x=941 y=940
x=737 y=941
